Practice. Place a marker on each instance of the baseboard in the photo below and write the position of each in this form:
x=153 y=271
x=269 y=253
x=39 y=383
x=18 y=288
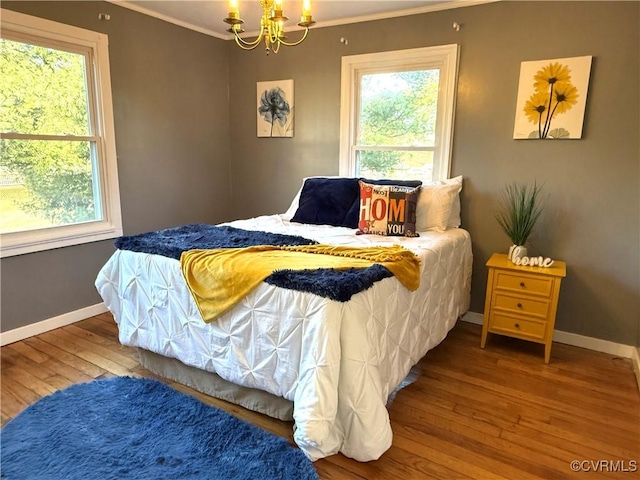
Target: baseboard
x=37 y=328
x=596 y=344
x=636 y=364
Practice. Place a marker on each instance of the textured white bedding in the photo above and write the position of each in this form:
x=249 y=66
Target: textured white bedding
x=337 y=362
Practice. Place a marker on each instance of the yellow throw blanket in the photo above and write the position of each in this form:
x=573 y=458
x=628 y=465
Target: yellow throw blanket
x=220 y=278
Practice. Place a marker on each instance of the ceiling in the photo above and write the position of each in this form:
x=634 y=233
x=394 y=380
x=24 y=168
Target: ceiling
x=206 y=16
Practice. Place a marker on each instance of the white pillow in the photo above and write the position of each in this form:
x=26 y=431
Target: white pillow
x=295 y=203
x=454 y=218
x=439 y=206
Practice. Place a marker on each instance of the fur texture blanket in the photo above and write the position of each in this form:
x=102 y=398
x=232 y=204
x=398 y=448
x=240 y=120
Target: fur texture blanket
x=338 y=285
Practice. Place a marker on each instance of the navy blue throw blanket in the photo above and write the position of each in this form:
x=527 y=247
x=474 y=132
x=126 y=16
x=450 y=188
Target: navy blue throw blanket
x=339 y=285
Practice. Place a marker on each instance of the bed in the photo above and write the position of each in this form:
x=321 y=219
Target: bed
x=329 y=365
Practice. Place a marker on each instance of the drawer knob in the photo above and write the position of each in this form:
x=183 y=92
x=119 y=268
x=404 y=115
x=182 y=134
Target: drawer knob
x=519 y=305
x=517 y=325
x=522 y=284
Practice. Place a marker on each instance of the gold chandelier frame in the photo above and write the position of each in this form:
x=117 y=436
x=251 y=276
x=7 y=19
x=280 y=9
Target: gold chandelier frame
x=271 y=25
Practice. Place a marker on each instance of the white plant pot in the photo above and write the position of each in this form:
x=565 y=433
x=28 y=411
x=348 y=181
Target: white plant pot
x=517 y=251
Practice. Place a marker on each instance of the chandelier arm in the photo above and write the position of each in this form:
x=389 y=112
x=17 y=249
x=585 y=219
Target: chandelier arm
x=241 y=44
x=273 y=32
x=293 y=44
x=249 y=45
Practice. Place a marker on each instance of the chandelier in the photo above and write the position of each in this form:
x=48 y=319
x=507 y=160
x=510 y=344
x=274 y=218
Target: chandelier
x=271 y=25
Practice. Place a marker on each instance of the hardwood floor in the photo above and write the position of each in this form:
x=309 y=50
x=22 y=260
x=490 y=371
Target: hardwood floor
x=497 y=413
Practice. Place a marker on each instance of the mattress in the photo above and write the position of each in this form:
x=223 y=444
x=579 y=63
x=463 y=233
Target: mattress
x=336 y=361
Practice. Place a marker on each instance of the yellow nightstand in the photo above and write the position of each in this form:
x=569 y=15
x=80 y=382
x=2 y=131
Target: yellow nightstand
x=521 y=302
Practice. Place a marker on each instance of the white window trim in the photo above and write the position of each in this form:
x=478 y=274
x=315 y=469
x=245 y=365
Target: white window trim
x=110 y=226
x=444 y=57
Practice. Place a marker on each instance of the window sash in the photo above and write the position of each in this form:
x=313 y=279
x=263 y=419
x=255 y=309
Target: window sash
x=394 y=148
x=444 y=58
x=94 y=46
x=59 y=138
x=357 y=113
x=89 y=61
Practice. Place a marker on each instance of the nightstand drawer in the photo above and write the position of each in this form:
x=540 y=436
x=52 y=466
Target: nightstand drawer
x=517 y=327
x=523 y=283
x=523 y=305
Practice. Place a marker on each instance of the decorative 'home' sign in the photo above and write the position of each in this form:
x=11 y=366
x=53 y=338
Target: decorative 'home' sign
x=275 y=108
x=533 y=261
x=552 y=97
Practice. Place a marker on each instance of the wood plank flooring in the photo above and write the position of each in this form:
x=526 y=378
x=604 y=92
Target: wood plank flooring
x=497 y=413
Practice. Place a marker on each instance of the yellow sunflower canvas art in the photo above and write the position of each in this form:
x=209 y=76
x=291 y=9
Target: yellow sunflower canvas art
x=552 y=98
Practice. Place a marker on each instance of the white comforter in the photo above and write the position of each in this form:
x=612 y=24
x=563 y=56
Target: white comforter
x=337 y=362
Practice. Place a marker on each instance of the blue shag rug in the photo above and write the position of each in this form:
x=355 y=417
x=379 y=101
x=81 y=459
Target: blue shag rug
x=128 y=428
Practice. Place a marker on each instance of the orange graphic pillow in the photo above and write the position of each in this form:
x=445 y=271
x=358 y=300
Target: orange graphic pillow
x=387 y=210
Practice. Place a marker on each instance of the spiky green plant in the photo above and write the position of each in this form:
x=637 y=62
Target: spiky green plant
x=519 y=211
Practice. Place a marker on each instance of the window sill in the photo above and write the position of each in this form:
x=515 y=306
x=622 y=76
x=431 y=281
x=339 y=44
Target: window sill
x=20 y=243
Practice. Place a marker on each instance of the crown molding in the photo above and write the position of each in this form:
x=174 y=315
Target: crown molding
x=331 y=23
x=450 y=5
x=167 y=18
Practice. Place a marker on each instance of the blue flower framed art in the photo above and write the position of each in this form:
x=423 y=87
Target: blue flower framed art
x=275 y=108
x=552 y=97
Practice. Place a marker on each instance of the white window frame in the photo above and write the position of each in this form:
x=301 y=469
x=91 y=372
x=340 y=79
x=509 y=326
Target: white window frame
x=18 y=25
x=444 y=57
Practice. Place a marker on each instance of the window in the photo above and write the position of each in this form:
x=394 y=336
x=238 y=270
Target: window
x=58 y=172
x=397 y=113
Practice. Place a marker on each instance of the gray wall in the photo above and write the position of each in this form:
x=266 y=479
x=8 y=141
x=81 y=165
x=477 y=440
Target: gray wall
x=173 y=143
x=170 y=92
x=592 y=204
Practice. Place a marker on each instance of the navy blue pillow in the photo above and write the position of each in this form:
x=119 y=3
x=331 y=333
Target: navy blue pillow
x=352 y=217
x=327 y=201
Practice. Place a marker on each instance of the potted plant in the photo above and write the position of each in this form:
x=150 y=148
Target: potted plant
x=518 y=213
